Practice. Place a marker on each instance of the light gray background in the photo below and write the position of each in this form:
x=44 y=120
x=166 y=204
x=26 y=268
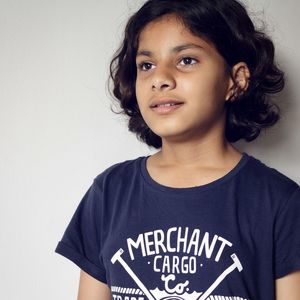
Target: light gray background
x=57 y=131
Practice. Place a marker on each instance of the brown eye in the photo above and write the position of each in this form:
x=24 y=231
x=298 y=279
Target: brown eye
x=188 y=61
x=144 y=66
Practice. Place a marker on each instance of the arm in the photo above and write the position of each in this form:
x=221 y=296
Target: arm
x=92 y=289
x=288 y=287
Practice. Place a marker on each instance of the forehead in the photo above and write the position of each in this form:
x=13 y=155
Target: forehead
x=169 y=30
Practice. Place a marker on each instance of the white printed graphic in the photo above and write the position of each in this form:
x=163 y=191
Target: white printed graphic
x=159 y=245
x=117 y=257
x=236 y=265
x=178 y=289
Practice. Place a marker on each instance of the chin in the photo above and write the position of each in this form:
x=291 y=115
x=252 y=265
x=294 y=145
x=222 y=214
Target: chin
x=173 y=137
x=164 y=129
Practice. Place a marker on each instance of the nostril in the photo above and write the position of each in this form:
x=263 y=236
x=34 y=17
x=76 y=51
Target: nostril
x=163 y=83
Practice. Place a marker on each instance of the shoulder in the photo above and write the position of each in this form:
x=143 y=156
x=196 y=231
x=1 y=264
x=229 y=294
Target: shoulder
x=119 y=172
x=269 y=180
x=268 y=174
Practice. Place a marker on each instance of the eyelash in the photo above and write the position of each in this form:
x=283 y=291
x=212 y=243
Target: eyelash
x=140 y=65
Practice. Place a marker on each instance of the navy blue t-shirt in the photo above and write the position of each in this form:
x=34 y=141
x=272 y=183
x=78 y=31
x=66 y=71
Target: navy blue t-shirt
x=228 y=239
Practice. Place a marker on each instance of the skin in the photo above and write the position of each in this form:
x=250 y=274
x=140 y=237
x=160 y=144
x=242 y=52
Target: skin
x=288 y=287
x=194 y=148
x=92 y=289
x=193 y=138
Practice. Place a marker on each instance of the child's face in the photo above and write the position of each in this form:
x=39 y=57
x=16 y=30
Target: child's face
x=195 y=76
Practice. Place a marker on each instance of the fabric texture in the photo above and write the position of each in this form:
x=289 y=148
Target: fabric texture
x=228 y=239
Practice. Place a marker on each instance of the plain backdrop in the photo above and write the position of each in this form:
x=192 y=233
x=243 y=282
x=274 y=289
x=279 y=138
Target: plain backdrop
x=57 y=131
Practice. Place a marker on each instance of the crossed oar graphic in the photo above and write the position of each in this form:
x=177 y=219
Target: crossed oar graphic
x=235 y=265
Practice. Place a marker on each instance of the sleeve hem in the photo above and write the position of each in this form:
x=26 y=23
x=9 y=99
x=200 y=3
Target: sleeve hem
x=287 y=268
x=81 y=261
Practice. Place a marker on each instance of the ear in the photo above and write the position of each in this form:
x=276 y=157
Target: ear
x=239 y=81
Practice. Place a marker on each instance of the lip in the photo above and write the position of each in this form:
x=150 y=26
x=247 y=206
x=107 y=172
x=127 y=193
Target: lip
x=162 y=110
x=164 y=101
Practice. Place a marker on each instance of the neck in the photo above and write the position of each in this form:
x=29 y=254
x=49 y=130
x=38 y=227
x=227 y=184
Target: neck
x=210 y=152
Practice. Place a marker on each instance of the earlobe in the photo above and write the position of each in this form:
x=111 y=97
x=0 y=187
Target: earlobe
x=230 y=92
x=239 y=82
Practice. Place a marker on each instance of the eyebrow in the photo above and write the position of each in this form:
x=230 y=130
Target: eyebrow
x=173 y=50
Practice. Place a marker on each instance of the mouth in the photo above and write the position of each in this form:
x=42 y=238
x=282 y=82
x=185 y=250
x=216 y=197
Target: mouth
x=165 y=105
x=165 y=102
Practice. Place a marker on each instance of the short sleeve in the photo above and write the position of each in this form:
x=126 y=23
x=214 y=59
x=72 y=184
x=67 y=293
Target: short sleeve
x=81 y=241
x=287 y=236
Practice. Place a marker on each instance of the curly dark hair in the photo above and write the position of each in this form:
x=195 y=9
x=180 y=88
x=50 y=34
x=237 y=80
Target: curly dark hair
x=228 y=26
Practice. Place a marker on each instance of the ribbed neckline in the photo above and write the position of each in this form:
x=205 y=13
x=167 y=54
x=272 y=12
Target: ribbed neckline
x=191 y=190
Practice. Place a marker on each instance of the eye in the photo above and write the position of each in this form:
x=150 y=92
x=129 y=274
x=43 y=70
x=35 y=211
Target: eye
x=144 y=66
x=188 y=61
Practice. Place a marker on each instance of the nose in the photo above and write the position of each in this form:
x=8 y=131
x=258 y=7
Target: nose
x=163 y=79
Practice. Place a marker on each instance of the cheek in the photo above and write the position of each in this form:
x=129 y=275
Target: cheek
x=141 y=96
x=138 y=91
x=208 y=86
x=139 y=88
x=199 y=87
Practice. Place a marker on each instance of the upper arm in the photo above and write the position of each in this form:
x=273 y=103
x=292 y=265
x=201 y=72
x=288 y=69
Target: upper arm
x=92 y=289
x=288 y=287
